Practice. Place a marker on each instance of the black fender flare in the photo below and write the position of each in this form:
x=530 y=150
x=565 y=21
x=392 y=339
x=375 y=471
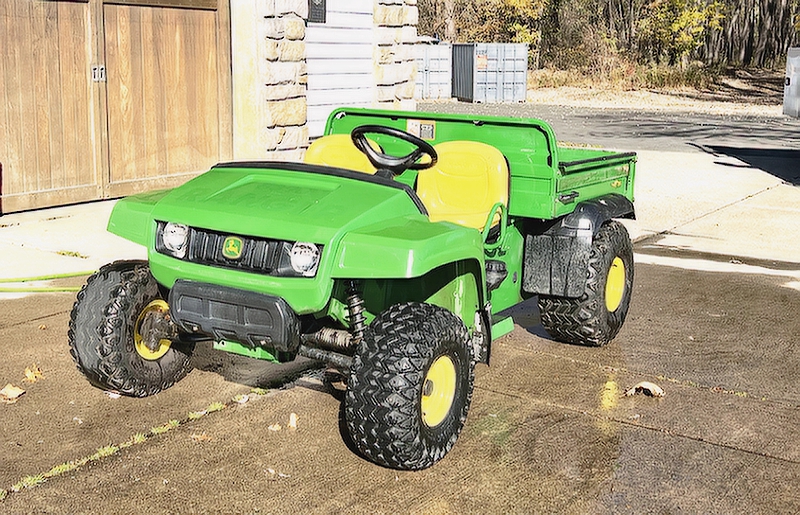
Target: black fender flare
x=556 y=261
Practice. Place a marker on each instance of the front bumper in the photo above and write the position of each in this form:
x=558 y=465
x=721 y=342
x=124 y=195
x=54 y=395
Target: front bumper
x=230 y=314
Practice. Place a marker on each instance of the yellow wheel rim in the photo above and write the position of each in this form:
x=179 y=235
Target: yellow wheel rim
x=138 y=340
x=615 y=285
x=438 y=391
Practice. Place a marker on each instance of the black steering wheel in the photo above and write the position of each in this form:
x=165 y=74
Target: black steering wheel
x=395 y=165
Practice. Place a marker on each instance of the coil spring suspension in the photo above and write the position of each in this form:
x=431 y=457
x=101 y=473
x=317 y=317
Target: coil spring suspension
x=355 y=306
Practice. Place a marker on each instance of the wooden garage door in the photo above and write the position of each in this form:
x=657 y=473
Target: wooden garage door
x=106 y=98
x=46 y=105
x=168 y=92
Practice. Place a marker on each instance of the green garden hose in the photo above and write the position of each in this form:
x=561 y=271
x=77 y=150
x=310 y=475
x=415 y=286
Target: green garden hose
x=42 y=289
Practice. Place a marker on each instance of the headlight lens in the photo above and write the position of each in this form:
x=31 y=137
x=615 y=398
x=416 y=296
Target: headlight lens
x=304 y=258
x=176 y=239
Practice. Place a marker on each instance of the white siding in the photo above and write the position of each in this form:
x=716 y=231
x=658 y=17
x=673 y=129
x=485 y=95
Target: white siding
x=339 y=57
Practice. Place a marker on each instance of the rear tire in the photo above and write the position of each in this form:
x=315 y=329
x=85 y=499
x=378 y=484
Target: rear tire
x=410 y=386
x=103 y=333
x=596 y=317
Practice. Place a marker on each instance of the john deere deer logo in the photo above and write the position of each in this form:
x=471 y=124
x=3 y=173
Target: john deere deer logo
x=232 y=247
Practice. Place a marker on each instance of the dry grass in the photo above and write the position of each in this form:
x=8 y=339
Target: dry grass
x=758 y=93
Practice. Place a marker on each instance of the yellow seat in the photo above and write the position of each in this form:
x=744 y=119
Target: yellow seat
x=465 y=185
x=339 y=151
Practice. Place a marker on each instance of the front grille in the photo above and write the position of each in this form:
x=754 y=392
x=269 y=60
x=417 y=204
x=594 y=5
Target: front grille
x=258 y=254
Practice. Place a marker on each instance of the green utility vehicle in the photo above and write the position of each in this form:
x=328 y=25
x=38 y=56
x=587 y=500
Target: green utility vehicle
x=390 y=254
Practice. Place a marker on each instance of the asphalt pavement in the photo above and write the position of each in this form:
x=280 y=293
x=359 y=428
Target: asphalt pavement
x=713 y=321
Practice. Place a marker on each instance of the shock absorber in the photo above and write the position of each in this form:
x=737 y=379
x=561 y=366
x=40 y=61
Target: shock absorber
x=355 y=306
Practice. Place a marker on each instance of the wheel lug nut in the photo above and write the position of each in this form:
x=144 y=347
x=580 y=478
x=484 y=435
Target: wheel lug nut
x=427 y=388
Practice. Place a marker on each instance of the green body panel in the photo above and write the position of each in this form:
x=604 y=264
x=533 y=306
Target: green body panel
x=528 y=144
x=457 y=286
x=132 y=217
x=510 y=292
x=404 y=247
x=592 y=173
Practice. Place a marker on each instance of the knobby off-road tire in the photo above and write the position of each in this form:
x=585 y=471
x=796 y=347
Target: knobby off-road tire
x=410 y=386
x=102 y=327
x=596 y=317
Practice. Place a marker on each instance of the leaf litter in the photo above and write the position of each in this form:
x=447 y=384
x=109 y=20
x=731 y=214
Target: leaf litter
x=10 y=394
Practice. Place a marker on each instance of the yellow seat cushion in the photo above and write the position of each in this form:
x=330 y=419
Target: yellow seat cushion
x=469 y=179
x=339 y=151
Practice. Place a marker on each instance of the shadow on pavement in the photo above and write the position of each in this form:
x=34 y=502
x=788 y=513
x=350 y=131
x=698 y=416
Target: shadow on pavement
x=247 y=371
x=782 y=163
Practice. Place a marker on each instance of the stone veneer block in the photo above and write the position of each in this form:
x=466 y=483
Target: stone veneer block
x=286 y=112
x=394 y=73
x=272 y=137
x=284 y=91
x=272 y=50
x=295 y=27
x=275 y=27
x=388 y=35
x=292 y=51
x=396 y=16
x=294 y=137
x=284 y=73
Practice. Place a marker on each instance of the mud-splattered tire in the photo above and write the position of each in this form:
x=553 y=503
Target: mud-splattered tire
x=102 y=331
x=596 y=317
x=410 y=386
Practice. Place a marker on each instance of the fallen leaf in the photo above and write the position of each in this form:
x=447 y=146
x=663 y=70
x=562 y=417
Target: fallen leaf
x=10 y=393
x=273 y=474
x=202 y=437
x=647 y=388
x=293 y=421
x=33 y=373
x=274 y=427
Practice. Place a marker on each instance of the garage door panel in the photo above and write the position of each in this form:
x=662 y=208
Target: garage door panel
x=163 y=96
x=45 y=104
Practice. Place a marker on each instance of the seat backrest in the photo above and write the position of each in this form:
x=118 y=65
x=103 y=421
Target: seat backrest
x=469 y=179
x=339 y=151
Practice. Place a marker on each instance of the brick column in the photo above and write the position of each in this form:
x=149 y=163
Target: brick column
x=284 y=32
x=269 y=79
x=395 y=67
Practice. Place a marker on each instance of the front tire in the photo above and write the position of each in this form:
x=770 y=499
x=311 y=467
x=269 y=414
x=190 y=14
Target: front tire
x=595 y=318
x=410 y=386
x=104 y=334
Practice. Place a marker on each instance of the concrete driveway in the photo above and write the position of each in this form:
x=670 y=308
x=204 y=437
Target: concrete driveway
x=550 y=429
x=713 y=322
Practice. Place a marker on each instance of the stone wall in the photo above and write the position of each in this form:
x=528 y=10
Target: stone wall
x=285 y=80
x=269 y=79
x=395 y=67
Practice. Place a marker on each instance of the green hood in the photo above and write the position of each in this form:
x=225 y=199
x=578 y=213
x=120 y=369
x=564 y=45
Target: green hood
x=285 y=201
